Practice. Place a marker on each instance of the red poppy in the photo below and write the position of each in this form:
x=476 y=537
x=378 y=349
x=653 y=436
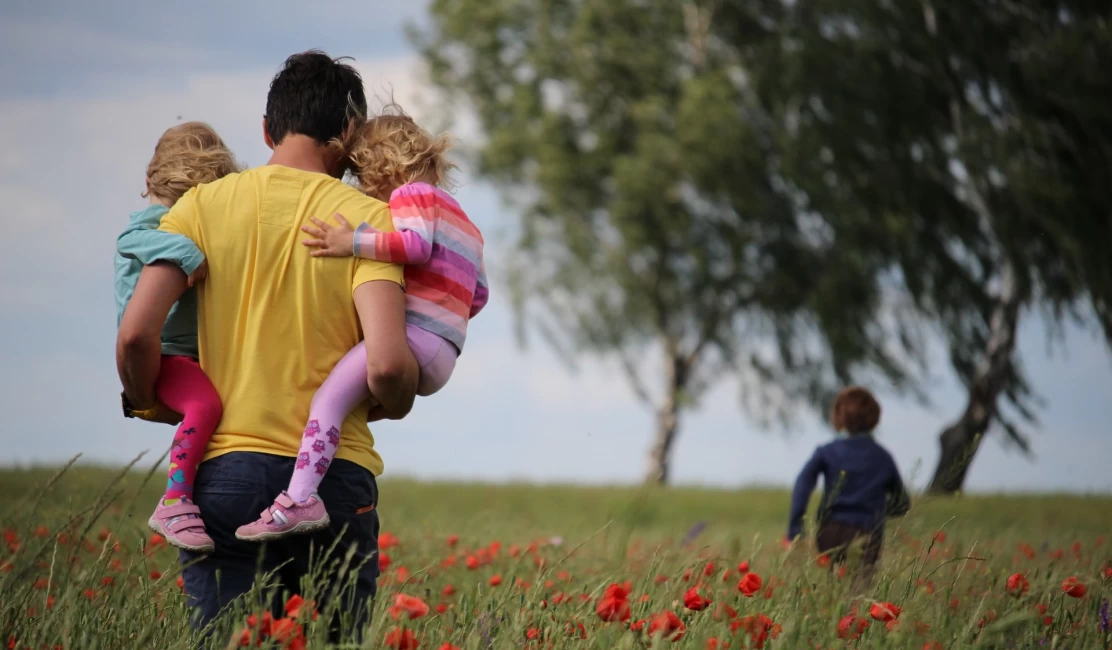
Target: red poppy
x=449 y=646
x=383 y=562
x=441 y=608
x=884 y=612
x=401 y=639
x=668 y=625
x=448 y=590
x=637 y=625
x=743 y=567
x=1107 y=573
x=851 y=627
x=495 y=580
x=452 y=541
x=708 y=570
x=714 y=644
x=933 y=645
x=724 y=612
x=410 y=606
x=288 y=634
x=750 y=584
x=823 y=561
x=472 y=562
x=759 y=627
x=155 y=575
x=614 y=604
x=575 y=629
x=940 y=537
x=1018 y=584
x=693 y=601
x=1073 y=587
x=41 y=531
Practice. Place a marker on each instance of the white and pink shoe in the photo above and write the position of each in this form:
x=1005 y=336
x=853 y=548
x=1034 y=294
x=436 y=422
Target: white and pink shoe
x=182 y=526
x=286 y=517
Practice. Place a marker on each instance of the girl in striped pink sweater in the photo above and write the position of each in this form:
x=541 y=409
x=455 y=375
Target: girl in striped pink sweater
x=396 y=161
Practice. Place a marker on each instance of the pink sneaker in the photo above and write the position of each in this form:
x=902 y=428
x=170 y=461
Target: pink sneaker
x=182 y=526
x=286 y=517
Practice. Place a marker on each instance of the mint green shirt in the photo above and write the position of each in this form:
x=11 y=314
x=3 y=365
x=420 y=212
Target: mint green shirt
x=142 y=243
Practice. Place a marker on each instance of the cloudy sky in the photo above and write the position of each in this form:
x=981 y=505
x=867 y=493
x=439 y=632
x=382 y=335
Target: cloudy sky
x=86 y=89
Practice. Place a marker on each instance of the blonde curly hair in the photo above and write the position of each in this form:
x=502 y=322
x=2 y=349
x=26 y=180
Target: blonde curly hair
x=185 y=156
x=389 y=151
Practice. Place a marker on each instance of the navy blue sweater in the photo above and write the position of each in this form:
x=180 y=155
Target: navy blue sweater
x=861 y=485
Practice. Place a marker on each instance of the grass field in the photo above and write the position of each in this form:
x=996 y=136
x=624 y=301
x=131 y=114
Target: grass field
x=532 y=565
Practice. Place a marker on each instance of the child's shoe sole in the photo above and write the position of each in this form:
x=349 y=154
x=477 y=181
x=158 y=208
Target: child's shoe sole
x=302 y=528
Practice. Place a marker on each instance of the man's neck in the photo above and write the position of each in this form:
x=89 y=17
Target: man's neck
x=304 y=153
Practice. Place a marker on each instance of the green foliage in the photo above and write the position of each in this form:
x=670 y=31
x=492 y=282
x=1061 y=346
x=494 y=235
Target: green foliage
x=791 y=192
x=64 y=537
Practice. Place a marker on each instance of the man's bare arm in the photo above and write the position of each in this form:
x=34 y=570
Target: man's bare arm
x=392 y=371
x=139 y=341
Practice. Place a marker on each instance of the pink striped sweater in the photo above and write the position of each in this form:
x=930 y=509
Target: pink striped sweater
x=445 y=278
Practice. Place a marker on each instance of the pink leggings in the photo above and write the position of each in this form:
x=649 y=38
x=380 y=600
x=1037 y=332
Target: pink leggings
x=184 y=387
x=345 y=388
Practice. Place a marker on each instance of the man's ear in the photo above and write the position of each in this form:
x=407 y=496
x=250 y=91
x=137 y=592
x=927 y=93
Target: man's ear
x=266 y=136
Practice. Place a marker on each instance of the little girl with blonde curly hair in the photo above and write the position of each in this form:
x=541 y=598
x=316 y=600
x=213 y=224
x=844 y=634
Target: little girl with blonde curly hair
x=185 y=156
x=396 y=161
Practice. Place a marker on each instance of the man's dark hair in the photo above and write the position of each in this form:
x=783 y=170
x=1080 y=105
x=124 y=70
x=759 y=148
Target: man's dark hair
x=314 y=95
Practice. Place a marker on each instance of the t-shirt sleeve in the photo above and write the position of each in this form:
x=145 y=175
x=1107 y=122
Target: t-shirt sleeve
x=367 y=270
x=184 y=218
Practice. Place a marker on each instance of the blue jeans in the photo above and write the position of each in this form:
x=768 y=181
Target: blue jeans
x=231 y=490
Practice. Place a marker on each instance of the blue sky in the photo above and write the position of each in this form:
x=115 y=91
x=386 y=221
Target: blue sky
x=85 y=90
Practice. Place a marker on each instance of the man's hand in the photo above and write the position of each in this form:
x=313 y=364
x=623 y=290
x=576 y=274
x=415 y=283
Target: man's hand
x=159 y=413
x=331 y=241
x=198 y=275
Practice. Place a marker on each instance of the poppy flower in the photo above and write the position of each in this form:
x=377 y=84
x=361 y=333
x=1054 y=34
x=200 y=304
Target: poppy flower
x=851 y=627
x=449 y=646
x=884 y=612
x=724 y=612
x=288 y=634
x=495 y=580
x=387 y=540
x=1018 y=584
x=668 y=625
x=41 y=531
x=576 y=628
x=1073 y=587
x=823 y=561
x=637 y=625
x=614 y=604
x=441 y=608
x=743 y=567
x=401 y=639
x=155 y=574
x=410 y=606
x=714 y=644
x=695 y=602
x=750 y=584
x=448 y=590
x=708 y=570
x=759 y=627
x=383 y=562
x=933 y=645
x=452 y=541
x=472 y=562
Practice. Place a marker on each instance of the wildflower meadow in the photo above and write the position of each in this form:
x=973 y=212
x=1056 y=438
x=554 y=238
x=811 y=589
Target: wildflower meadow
x=512 y=566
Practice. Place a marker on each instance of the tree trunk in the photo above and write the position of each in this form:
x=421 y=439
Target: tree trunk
x=960 y=440
x=667 y=423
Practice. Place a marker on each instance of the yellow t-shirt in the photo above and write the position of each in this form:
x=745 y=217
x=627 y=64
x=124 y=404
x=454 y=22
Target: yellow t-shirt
x=273 y=321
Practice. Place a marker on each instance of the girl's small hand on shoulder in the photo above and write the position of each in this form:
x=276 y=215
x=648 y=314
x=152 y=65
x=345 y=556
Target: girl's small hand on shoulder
x=330 y=241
